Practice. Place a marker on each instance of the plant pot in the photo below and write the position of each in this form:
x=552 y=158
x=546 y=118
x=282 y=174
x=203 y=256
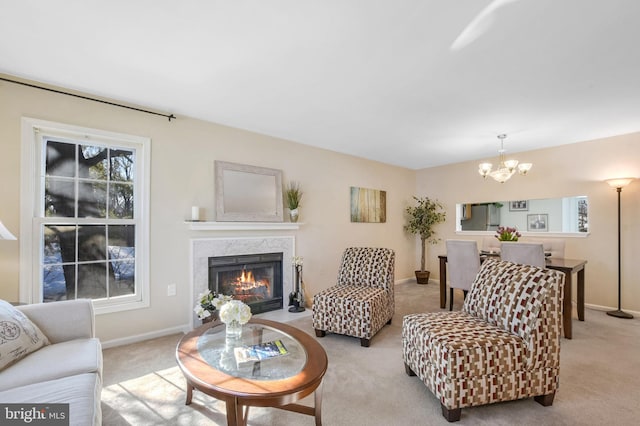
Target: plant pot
x=422 y=277
x=293 y=215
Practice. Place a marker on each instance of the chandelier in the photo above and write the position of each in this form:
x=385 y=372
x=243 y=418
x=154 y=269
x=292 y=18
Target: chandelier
x=506 y=168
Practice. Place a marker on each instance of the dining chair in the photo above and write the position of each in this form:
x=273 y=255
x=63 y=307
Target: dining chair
x=524 y=253
x=464 y=263
x=491 y=244
x=554 y=247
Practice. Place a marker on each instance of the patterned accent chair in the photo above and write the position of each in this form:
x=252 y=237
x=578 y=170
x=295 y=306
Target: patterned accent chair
x=362 y=301
x=503 y=345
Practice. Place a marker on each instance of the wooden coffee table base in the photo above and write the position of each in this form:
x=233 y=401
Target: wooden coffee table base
x=236 y=416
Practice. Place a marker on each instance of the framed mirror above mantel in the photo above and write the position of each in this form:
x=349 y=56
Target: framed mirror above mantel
x=550 y=217
x=247 y=193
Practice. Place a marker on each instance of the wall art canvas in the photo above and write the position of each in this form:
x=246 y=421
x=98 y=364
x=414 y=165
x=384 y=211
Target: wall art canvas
x=368 y=205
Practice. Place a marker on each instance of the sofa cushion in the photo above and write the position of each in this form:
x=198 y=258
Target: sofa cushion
x=54 y=361
x=459 y=345
x=18 y=335
x=81 y=392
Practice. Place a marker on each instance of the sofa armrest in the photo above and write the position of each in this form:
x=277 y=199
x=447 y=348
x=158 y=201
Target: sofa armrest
x=63 y=321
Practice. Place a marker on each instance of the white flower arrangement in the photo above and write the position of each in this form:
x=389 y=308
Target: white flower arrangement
x=235 y=310
x=207 y=302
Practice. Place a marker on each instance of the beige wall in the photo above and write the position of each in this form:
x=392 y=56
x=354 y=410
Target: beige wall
x=576 y=169
x=182 y=157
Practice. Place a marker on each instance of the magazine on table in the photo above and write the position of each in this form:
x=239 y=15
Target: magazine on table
x=260 y=351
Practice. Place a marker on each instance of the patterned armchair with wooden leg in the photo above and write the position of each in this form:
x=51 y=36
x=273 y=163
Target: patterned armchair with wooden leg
x=362 y=301
x=503 y=345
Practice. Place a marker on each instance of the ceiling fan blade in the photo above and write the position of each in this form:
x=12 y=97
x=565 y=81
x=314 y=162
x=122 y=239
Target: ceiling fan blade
x=479 y=25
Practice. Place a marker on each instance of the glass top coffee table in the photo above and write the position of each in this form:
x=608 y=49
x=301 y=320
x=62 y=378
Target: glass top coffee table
x=209 y=363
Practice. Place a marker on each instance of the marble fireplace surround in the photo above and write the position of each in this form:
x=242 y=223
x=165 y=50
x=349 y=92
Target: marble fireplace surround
x=204 y=248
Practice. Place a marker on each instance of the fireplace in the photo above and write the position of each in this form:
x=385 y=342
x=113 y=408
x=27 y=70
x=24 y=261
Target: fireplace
x=255 y=279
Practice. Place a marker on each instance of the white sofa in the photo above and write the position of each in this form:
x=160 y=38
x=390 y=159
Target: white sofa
x=69 y=370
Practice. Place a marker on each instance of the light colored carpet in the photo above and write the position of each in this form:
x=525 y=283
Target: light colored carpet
x=599 y=380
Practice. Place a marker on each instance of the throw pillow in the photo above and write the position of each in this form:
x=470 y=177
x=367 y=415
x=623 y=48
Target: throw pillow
x=18 y=335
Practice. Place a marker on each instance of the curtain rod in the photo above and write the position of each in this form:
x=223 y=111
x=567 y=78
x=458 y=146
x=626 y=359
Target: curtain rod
x=170 y=116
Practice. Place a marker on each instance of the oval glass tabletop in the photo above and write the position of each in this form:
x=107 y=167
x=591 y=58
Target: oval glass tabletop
x=281 y=355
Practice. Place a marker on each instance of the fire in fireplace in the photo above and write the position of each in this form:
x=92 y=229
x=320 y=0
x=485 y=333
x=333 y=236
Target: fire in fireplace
x=256 y=279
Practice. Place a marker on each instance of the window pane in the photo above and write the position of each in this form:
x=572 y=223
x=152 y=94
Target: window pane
x=122 y=254
x=92 y=243
x=60 y=159
x=92 y=163
x=59 y=198
x=55 y=279
x=122 y=240
x=59 y=244
x=122 y=165
x=121 y=201
x=92 y=280
x=58 y=258
x=92 y=199
x=122 y=277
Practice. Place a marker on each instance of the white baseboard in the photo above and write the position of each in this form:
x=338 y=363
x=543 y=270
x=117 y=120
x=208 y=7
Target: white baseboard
x=145 y=336
x=609 y=308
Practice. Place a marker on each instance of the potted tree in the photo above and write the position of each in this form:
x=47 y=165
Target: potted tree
x=421 y=220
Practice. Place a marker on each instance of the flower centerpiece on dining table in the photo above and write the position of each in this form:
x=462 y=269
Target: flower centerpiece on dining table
x=208 y=303
x=234 y=314
x=506 y=233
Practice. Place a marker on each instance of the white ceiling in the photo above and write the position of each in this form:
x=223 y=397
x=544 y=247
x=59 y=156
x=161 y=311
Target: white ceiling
x=380 y=79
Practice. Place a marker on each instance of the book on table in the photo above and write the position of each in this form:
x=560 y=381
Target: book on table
x=260 y=352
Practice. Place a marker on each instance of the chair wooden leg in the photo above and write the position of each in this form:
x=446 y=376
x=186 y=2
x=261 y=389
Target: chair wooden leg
x=451 y=415
x=389 y=322
x=545 y=400
x=320 y=333
x=364 y=342
x=408 y=370
x=450 y=299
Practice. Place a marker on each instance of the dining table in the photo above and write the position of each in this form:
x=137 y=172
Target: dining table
x=567 y=266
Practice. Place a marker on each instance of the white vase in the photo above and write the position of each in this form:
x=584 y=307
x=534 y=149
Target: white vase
x=293 y=215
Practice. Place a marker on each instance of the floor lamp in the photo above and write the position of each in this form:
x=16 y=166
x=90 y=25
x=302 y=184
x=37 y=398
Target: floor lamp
x=618 y=184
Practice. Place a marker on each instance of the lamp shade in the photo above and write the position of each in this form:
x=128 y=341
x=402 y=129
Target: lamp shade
x=5 y=234
x=619 y=182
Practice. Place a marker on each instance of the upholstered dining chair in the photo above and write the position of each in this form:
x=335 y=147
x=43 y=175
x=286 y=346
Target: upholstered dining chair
x=362 y=301
x=553 y=247
x=491 y=244
x=523 y=253
x=464 y=263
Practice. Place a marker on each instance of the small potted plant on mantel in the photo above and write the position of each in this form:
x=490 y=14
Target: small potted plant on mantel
x=421 y=220
x=293 y=195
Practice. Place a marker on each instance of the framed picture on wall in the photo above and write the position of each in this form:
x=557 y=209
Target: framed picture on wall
x=537 y=222
x=368 y=205
x=519 y=206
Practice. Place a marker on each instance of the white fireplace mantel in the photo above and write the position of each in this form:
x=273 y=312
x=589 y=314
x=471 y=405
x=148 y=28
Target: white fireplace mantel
x=243 y=226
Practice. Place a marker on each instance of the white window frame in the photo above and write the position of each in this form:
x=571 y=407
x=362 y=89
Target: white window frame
x=33 y=132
